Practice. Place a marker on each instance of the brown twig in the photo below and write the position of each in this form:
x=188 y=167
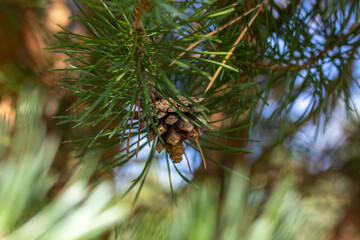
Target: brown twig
x=187 y=160
x=128 y=140
x=201 y=152
x=144 y=6
x=215 y=31
x=309 y=63
x=232 y=49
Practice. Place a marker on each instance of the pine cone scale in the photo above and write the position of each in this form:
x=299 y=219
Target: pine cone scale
x=173 y=129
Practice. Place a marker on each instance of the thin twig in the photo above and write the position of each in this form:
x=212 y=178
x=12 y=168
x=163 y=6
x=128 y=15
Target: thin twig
x=215 y=31
x=187 y=160
x=128 y=140
x=201 y=152
x=139 y=127
x=232 y=49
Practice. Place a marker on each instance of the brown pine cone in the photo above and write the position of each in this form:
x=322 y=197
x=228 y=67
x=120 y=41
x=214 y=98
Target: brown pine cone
x=173 y=129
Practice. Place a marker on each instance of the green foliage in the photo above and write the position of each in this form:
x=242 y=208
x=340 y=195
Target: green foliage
x=312 y=48
x=245 y=211
x=79 y=211
x=119 y=64
x=134 y=49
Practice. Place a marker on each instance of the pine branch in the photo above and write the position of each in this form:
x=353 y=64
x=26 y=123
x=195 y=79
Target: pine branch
x=139 y=56
x=232 y=49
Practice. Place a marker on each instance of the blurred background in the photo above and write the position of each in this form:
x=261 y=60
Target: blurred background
x=304 y=184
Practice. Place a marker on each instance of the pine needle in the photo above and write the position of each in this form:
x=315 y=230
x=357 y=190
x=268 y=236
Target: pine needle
x=232 y=49
x=187 y=160
x=128 y=140
x=201 y=152
x=139 y=127
x=214 y=32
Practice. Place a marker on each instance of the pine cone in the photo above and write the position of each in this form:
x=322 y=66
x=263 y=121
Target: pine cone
x=173 y=129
